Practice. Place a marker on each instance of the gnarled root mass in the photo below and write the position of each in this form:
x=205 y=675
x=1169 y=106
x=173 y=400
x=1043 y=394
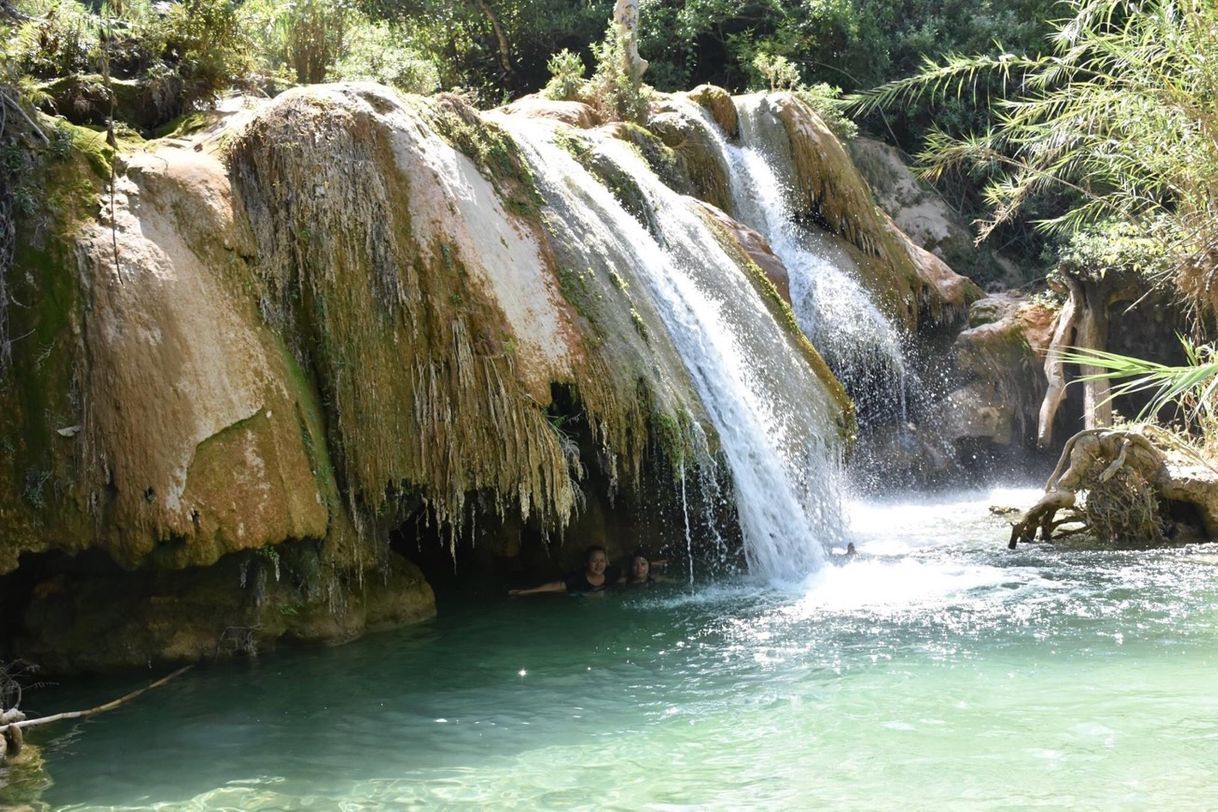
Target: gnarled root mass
x=1123 y=476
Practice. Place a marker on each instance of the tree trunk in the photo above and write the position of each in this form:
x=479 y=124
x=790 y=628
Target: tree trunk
x=1093 y=335
x=626 y=17
x=501 y=40
x=1055 y=372
x=8 y=10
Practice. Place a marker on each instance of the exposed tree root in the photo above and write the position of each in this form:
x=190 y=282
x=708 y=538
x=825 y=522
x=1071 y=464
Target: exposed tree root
x=1123 y=475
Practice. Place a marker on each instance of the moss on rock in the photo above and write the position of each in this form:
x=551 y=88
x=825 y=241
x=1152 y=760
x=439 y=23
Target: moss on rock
x=247 y=602
x=41 y=398
x=832 y=192
x=697 y=158
x=721 y=106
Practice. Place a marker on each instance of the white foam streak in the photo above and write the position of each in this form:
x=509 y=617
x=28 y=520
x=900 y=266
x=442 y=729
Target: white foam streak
x=860 y=343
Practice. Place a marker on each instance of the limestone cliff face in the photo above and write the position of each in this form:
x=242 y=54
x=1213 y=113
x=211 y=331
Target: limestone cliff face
x=915 y=207
x=196 y=430
x=1001 y=360
x=172 y=437
x=285 y=334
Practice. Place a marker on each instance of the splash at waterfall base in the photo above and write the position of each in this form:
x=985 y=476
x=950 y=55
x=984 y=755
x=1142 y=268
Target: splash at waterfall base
x=320 y=351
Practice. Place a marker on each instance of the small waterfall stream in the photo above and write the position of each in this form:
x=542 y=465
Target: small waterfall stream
x=860 y=343
x=773 y=417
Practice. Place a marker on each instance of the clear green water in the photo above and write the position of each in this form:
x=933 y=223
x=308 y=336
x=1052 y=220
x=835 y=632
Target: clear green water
x=937 y=670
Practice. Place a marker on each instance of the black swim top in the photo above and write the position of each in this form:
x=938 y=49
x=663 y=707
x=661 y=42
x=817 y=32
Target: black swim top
x=578 y=581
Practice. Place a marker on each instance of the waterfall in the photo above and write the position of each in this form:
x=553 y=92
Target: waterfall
x=773 y=416
x=859 y=342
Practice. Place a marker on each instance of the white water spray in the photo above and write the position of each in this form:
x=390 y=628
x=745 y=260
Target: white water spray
x=689 y=541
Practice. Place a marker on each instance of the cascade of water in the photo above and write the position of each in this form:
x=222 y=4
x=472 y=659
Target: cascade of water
x=710 y=495
x=773 y=417
x=689 y=540
x=858 y=341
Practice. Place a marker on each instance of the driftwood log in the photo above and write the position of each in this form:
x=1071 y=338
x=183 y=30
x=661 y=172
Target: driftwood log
x=14 y=722
x=1090 y=459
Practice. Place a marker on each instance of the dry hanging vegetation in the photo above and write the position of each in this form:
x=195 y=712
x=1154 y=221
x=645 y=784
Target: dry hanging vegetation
x=402 y=345
x=416 y=363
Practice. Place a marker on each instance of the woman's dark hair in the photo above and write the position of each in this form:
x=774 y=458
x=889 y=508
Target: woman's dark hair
x=595 y=548
x=640 y=553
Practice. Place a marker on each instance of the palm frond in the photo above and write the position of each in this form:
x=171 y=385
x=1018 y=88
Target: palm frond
x=1121 y=116
x=1192 y=387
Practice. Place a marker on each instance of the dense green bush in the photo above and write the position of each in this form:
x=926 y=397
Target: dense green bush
x=186 y=54
x=1120 y=120
x=378 y=52
x=827 y=101
x=566 y=76
x=501 y=48
x=331 y=40
x=63 y=40
x=206 y=48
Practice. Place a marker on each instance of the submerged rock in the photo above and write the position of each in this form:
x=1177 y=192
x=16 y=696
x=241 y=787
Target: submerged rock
x=102 y=618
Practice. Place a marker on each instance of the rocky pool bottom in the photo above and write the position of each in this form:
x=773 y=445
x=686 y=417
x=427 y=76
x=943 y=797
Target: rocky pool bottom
x=938 y=669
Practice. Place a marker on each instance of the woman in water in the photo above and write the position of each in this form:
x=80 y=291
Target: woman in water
x=641 y=570
x=596 y=576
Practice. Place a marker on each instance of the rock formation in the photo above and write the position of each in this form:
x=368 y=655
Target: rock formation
x=302 y=327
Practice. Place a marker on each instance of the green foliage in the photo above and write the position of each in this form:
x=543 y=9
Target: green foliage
x=502 y=48
x=381 y=53
x=1192 y=387
x=332 y=40
x=614 y=91
x=1121 y=118
x=850 y=43
x=777 y=70
x=827 y=101
x=205 y=48
x=62 y=40
x=566 y=76
x=315 y=35
x=185 y=54
x=1115 y=248
x=303 y=39
x=497 y=49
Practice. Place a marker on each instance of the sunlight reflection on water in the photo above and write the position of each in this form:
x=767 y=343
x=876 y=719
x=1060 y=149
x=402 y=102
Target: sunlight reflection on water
x=1060 y=677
